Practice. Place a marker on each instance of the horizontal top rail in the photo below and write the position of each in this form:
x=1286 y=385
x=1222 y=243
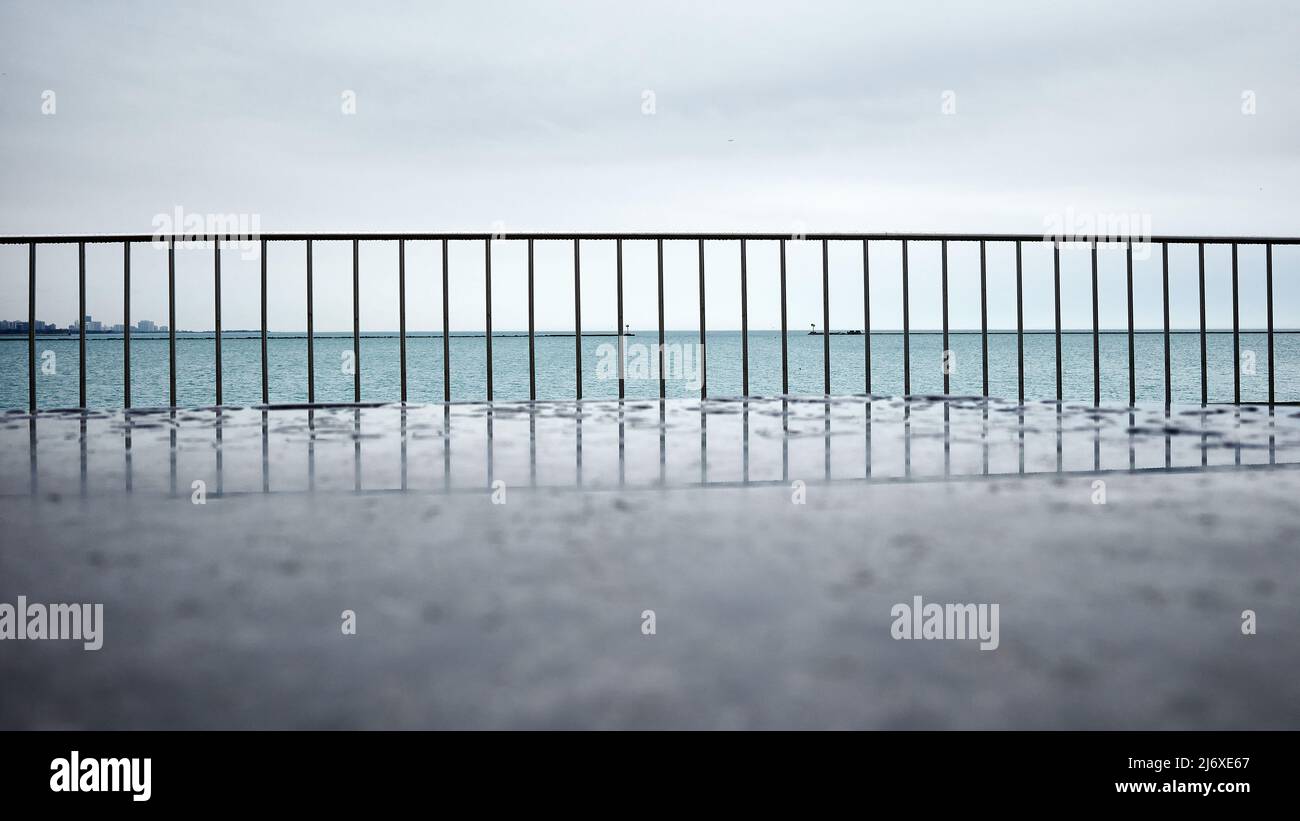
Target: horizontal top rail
x=326 y=236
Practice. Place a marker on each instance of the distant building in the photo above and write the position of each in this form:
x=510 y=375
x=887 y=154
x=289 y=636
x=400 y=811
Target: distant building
x=20 y=326
x=89 y=323
x=146 y=326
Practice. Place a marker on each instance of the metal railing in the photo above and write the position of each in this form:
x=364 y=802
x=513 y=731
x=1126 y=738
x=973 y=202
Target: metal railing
x=216 y=241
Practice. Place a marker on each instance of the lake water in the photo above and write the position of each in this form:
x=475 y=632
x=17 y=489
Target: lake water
x=287 y=354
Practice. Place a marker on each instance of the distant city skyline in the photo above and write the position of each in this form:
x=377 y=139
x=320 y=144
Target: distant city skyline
x=92 y=326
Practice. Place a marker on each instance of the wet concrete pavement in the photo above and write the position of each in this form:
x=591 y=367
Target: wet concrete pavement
x=768 y=613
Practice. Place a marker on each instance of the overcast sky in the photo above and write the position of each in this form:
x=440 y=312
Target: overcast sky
x=761 y=116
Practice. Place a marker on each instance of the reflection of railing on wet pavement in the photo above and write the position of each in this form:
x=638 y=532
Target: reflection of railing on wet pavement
x=890 y=430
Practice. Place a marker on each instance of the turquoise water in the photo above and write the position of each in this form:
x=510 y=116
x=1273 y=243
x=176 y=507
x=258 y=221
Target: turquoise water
x=287 y=353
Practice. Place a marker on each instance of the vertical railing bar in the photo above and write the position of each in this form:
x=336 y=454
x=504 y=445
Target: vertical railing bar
x=266 y=379
x=216 y=316
x=311 y=331
x=945 y=360
x=401 y=312
x=356 y=321
x=826 y=319
x=1236 y=334
x=532 y=331
x=785 y=351
x=31 y=329
x=577 y=317
x=663 y=385
x=81 y=324
x=1164 y=253
x=704 y=370
x=744 y=321
x=1205 y=389
x=1096 y=333
x=984 y=319
x=171 y=317
x=1020 y=345
x=446 y=331
x=1268 y=274
x=866 y=313
x=1056 y=285
x=126 y=325
x=487 y=287
x=1132 y=358
x=618 y=284
x=907 y=330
